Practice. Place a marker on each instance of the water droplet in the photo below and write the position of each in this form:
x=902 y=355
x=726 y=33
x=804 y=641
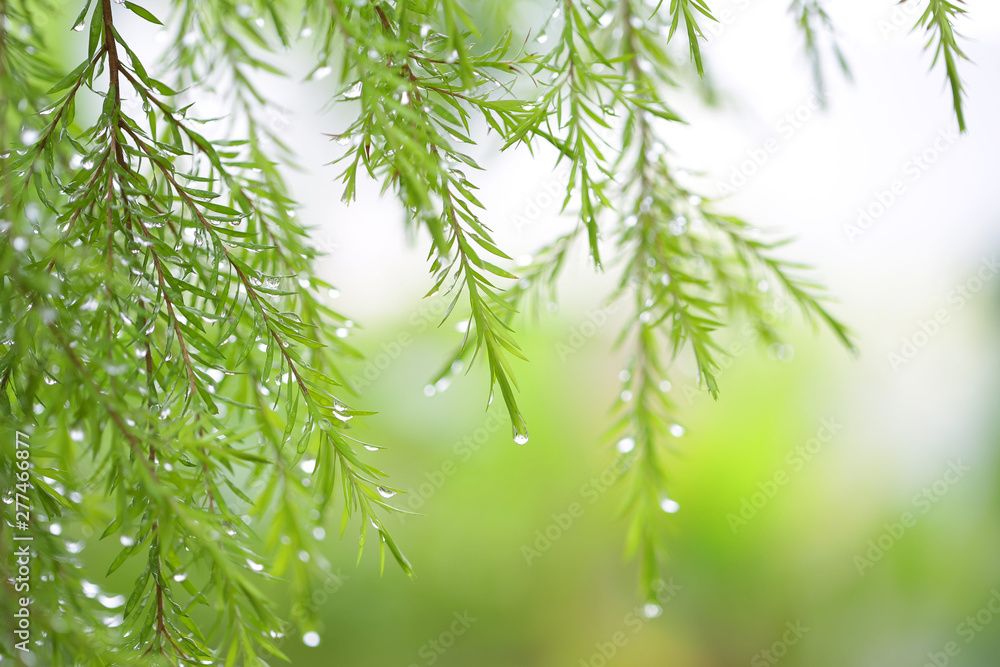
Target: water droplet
x=781 y=352
x=354 y=92
x=626 y=396
x=521 y=437
x=665 y=385
x=669 y=505
x=111 y=601
x=19 y=243
x=126 y=541
x=308 y=466
x=256 y=567
x=179 y=577
x=342 y=332
x=384 y=492
x=78 y=27
x=76 y=435
x=677 y=430
x=333 y=293
x=319 y=533
x=311 y=639
x=652 y=610
x=89 y=589
x=429 y=390
x=55 y=529
x=624 y=375
x=626 y=445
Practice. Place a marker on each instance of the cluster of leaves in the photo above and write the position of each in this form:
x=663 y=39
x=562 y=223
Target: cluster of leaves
x=177 y=365
x=168 y=348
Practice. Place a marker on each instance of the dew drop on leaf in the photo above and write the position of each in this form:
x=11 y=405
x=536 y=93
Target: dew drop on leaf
x=652 y=610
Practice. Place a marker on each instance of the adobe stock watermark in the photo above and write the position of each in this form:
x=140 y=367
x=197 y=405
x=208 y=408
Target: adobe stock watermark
x=923 y=502
x=903 y=17
x=911 y=172
x=772 y=655
x=967 y=631
x=581 y=333
x=795 y=461
x=590 y=492
x=956 y=300
x=22 y=555
x=427 y=316
x=633 y=623
x=552 y=193
x=462 y=452
x=431 y=651
x=757 y=157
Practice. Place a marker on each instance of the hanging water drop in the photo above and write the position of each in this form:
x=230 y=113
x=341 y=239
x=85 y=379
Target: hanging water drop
x=384 y=492
x=626 y=445
x=652 y=610
x=669 y=505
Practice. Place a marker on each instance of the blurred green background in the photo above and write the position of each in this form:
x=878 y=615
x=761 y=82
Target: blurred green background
x=823 y=544
x=794 y=561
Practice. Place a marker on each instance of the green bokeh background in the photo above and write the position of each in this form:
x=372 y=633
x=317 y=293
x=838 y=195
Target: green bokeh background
x=793 y=562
